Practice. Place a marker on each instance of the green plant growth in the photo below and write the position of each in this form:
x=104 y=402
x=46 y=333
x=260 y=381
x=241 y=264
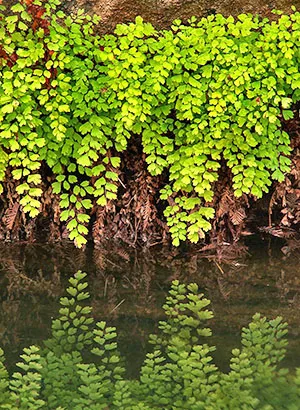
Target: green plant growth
x=199 y=94
x=80 y=367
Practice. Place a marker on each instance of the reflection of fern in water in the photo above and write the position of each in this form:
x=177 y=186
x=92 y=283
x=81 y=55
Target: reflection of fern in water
x=178 y=374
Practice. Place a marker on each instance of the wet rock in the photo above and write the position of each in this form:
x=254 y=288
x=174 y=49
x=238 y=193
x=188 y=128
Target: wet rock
x=161 y=13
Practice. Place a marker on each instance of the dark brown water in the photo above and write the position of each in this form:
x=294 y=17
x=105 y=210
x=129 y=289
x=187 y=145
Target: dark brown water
x=128 y=288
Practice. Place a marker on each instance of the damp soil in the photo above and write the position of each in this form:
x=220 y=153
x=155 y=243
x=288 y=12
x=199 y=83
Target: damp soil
x=129 y=286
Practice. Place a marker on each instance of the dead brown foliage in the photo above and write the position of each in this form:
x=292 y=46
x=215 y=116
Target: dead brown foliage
x=287 y=194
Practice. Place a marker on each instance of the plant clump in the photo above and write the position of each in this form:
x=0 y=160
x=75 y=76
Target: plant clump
x=201 y=94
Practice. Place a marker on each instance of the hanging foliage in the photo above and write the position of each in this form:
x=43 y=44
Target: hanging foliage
x=210 y=91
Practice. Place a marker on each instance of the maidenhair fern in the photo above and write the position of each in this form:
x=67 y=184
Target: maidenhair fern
x=80 y=368
x=211 y=91
x=199 y=94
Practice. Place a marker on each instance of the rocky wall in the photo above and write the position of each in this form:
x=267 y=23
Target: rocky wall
x=161 y=13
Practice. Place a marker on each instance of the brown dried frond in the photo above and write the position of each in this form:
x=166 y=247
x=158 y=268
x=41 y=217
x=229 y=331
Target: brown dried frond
x=224 y=289
x=237 y=216
x=287 y=195
x=99 y=259
x=225 y=203
x=98 y=225
x=10 y=216
x=146 y=213
x=122 y=253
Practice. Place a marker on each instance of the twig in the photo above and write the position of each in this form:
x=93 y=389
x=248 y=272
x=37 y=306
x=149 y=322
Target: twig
x=105 y=287
x=116 y=307
x=121 y=182
x=219 y=267
x=112 y=263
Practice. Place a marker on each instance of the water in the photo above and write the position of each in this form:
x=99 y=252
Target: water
x=128 y=288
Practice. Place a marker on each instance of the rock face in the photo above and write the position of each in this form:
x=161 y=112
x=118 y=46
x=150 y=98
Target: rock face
x=161 y=13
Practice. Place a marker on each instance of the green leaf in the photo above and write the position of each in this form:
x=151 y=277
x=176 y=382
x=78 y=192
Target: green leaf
x=287 y=114
x=111 y=175
x=22 y=188
x=82 y=229
x=79 y=242
x=115 y=161
x=7 y=109
x=22 y=26
x=278 y=175
x=86 y=203
x=84 y=161
x=64 y=215
x=101 y=201
x=72 y=291
x=34 y=179
x=83 y=218
x=56 y=186
x=17 y=173
x=17 y=8
x=72 y=224
x=256 y=191
x=72 y=179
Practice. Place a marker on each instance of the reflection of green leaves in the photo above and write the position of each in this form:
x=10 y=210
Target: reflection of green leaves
x=80 y=366
x=179 y=351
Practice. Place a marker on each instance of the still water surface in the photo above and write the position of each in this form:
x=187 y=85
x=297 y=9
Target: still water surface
x=128 y=288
